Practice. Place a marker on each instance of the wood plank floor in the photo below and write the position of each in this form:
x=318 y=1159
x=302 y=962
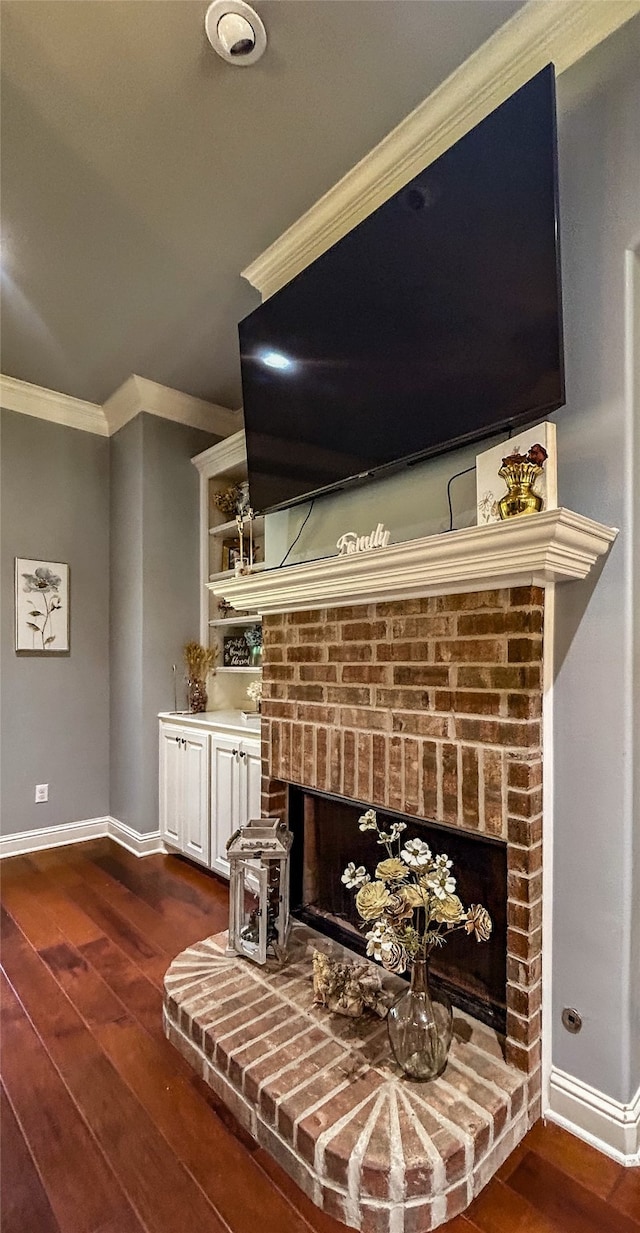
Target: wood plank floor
x=106 y=1130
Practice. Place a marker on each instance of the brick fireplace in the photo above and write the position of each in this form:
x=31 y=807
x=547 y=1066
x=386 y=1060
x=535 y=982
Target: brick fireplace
x=429 y=707
x=409 y=678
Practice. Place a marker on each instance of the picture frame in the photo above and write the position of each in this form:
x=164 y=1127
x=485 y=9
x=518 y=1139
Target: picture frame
x=230 y=554
x=42 y=607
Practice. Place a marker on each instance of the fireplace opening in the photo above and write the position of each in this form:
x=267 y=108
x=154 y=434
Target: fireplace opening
x=327 y=837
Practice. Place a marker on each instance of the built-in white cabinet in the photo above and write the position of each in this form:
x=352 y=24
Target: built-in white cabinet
x=184 y=791
x=196 y=836
x=209 y=786
x=225 y=780
x=235 y=792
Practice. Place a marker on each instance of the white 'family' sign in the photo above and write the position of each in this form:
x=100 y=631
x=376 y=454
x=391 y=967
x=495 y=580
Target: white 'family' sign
x=351 y=542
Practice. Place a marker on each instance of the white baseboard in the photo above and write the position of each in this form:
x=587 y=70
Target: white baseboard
x=612 y=1127
x=53 y=836
x=141 y=845
x=80 y=832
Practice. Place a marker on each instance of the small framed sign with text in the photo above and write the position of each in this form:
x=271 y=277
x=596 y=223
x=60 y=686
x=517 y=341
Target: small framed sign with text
x=235 y=652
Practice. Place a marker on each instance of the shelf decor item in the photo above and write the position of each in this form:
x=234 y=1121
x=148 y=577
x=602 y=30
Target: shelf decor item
x=235 y=651
x=231 y=554
x=233 y=500
x=253 y=639
x=41 y=607
x=409 y=908
x=520 y=472
x=199 y=661
x=258 y=856
x=254 y=691
x=347 y=988
x=523 y=451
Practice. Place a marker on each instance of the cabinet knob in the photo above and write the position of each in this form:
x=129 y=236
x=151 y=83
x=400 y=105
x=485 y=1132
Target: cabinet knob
x=242 y=753
x=234 y=752
x=177 y=740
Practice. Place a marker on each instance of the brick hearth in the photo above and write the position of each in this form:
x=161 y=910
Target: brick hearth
x=322 y=1095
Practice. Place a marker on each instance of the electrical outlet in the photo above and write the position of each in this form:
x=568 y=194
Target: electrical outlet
x=42 y=793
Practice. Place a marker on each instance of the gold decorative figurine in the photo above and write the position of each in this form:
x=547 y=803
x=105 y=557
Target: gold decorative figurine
x=520 y=472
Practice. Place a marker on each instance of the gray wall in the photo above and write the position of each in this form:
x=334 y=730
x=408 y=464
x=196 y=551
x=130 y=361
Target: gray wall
x=54 y=484
x=634 y=327
x=126 y=619
x=410 y=503
x=154 y=598
x=594 y=902
x=596 y=930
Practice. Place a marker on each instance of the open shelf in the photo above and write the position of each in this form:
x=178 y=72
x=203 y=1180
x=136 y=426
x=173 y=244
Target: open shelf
x=254 y=670
x=223 y=576
x=214 y=579
x=239 y=620
x=231 y=527
x=219 y=467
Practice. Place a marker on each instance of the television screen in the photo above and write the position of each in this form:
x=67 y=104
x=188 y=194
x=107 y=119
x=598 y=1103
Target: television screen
x=436 y=321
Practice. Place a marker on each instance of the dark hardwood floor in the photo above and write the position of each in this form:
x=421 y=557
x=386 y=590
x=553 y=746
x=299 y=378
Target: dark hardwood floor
x=106 y=1130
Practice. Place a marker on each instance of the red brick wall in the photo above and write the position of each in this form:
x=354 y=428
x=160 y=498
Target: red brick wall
x=417 y=705
x=430 y=707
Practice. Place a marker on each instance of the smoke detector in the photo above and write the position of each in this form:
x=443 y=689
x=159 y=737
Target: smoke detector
x=235 y=31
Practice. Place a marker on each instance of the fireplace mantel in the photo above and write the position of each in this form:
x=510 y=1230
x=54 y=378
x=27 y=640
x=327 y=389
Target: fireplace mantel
x=555 y=546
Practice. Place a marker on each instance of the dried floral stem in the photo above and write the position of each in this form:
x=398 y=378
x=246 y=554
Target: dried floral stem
x=199 y=660
x=410 y=905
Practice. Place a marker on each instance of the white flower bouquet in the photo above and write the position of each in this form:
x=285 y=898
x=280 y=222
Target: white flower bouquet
x=254 y=691
x=410 y=905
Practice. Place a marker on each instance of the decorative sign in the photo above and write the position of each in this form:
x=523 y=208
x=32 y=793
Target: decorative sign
x=351 y=542
x=235 y=652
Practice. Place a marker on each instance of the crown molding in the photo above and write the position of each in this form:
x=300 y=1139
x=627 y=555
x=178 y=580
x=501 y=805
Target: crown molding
x=555 y=546
x=227 y=455
x=49 y=405
x=140 y=394
x=543 y=31
x=136 y=394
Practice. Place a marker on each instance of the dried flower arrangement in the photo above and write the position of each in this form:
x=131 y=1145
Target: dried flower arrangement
x=233 y=500
x=410 y=905
x=199 y=661
x=347 y=988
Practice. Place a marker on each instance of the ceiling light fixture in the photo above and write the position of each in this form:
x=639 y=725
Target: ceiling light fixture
x=275 y=359
x=235 y=31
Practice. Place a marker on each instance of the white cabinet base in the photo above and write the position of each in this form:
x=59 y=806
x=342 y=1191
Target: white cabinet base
x=184 y=791
x=209 y=786
x=235 y=792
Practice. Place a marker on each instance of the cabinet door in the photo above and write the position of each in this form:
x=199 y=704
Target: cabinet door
x=225 y=798
x=171 y=778
x=196 y=831
x=251 y=774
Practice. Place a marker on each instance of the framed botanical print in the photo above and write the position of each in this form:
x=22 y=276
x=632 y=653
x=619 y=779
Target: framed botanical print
x=41 y=607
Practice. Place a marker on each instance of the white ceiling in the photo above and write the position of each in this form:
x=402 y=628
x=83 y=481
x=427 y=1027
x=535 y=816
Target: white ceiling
x=140 y=173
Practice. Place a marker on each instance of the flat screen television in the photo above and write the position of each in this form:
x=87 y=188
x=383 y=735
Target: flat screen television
x=435 y=322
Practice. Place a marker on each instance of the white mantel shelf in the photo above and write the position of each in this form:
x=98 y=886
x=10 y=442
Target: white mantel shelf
x=555 y=546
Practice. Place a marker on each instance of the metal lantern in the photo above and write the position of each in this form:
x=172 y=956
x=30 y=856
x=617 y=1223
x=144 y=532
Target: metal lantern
x=259 y=889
